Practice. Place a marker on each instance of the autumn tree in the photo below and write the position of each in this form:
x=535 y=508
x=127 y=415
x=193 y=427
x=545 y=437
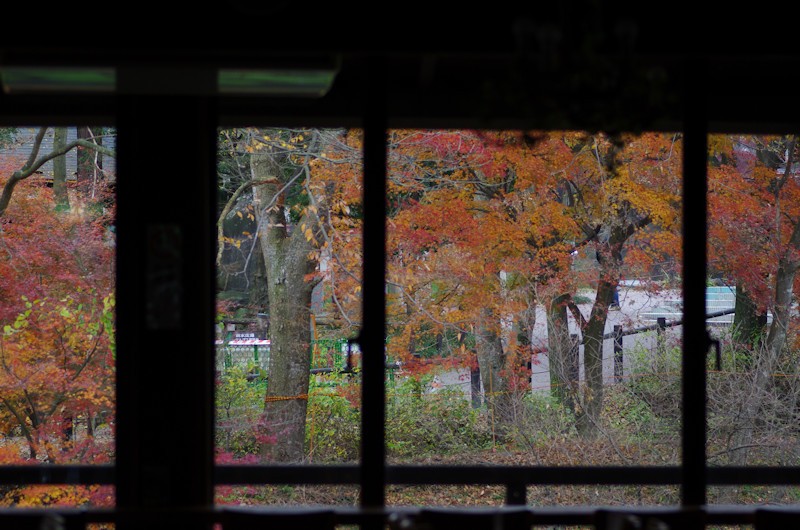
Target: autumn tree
x=47 y=252
x=468 y=237
x=552 y=238
x=475 y=240
x=292 y=196
x=755 y=241
x=57 y=340
x=740 y=230
x=536 y=199
x=623 y=193
x=482 y=230
x=56 y=364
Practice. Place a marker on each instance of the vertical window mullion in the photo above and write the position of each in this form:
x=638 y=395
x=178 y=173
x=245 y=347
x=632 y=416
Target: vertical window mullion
x=372 y=336
x=165 y=314
x=695 y=336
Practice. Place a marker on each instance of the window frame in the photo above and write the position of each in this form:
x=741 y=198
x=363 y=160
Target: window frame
x=375 y=114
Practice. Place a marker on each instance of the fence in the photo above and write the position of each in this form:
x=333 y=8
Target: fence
x=338 y=355
x=245 y=353
x=332 y=354
x=327 y=355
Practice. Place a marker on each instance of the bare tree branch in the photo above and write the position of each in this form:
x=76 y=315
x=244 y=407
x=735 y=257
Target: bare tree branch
x=35 y=161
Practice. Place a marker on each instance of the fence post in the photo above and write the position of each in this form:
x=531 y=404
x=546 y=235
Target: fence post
x=618 y=370
x=475 y=385
x=661 y=347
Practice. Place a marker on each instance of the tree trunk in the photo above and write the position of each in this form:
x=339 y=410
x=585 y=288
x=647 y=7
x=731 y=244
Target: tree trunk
x=560 y=352
x=286 y=257
x=493 y=368
x=591 y=397
x=257 y=295
x=609 y=257
x=784 y=284
x=475 y=385
x=60 y=170
x=788 y=265
x=85 y=165
x=748 y=326
x=89 y=161
x=89 y=424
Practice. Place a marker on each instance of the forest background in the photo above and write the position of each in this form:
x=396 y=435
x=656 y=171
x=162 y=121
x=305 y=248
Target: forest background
x=486 y=232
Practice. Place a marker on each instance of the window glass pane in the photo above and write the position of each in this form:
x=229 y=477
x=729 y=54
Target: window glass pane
x=754 y=239
x=755 y=495
x=57 y=239
x=512 y=259
x=537 y=496
x=444 y=495
x=289 y=293
x=257 y=494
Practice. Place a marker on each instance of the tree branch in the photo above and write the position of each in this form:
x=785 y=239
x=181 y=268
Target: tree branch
x=576 y=312
x=31 y=167
x=37 y=144
x=34 y=162
x=227 y=210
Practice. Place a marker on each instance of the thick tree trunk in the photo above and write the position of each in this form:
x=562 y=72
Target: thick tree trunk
x=609 y=257
x=748 y=325
x=494 y=372
x=286 y=257
x=60 y=170
x=591 y=397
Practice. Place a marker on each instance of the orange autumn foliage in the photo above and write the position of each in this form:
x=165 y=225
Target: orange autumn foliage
x=56 y=338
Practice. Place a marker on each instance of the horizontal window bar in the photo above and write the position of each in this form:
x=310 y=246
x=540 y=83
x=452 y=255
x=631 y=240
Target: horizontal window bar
x=287 y=474
x=734 y=476
x=551 y=515
x=420 y=475
x=530 y=475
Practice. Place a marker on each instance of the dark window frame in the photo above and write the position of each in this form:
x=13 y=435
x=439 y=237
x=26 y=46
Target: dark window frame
x=138 y=468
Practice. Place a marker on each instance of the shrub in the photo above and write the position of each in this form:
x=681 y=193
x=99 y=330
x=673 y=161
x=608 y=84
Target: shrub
x=656 y=380
x=333 y=423
x=543 y=418
x=421 y=422
x=239 y=405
